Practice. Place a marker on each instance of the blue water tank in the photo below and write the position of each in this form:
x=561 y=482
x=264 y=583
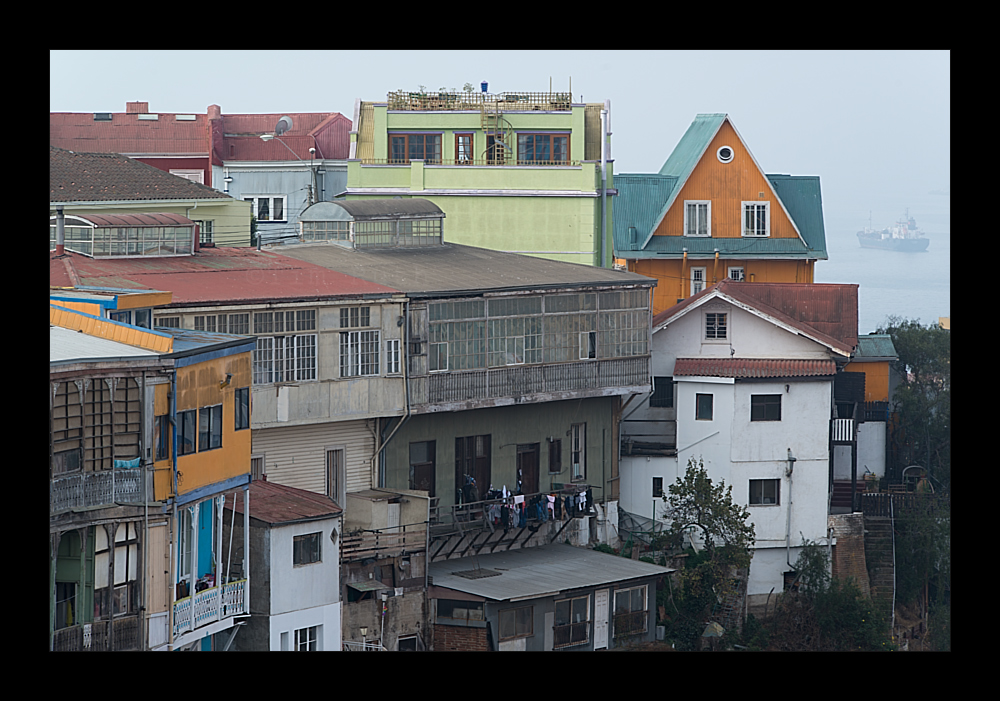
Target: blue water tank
x=484 y=85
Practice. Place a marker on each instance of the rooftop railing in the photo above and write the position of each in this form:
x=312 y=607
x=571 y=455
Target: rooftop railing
x=508 y=101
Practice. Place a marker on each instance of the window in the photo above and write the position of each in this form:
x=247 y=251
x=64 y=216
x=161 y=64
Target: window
x=657 y=487
x=307 y=639
x=543 y=148
x=438 y=356
x=223 y=323
x=516 y=623
x=359 y=353
x=765 y=407
x=392 y=363
x=335 y=477
x=284 y=357
x=207 y=229
x=715 y=326
x=588 y=344
x=184 y=547
x=404 y=148
x=572 y=621
x=306 y=549
x=242 y=413
x=764 y=492
x=112 y=598
x=630 y=611
x=354 y=317
x=325 y=230
x=256 y=467
x=463 y=148
x=579 y=451
x=460 y=610
x=161 y=427
x=124 y=317
x=267 y=207
x=697 y=217
x=703 y=407
x=663 y=392
x=756 y=219
x=210 y=428
x=422 y=459
x=186 y=435
x=697 y=280
x=724 y=154
x=555 y=457
x=195 y=176
x=407 y=644
x=737 y=273
x=169 y=322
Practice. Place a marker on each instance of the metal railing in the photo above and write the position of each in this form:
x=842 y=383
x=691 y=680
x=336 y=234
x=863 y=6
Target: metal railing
x=511 y=101
x=209 y=605
x=843 y=430
x=468 y=162
x=354 y=646
x=367 y=543
x=88 y=489
x=96 y=636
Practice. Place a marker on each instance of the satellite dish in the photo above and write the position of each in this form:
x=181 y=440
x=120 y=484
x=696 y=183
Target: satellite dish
x=284 y=124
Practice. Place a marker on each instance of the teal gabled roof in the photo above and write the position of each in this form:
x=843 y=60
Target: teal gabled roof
x=692 y=145
x=875 y=345
x=804 y=203
x=638 y=202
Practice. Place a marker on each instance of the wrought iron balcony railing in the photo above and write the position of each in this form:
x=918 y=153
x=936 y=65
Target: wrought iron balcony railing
x=209 y=605
x=89 y=489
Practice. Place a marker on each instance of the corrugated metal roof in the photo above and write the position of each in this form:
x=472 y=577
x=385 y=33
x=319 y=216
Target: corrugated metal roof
x=456 y=269
x=637 y=204
x=66 y=345
x=826 y=311
x=747 y=368
x=743 y=247
x=94 y=177
x=188 y=340
x=802 y=199
x=875 y=345
x=389 y=207
x=275 y=503
x=144 y=219
x=216 y=275
x=692 y=145
x=126 y=133
x=545 y=570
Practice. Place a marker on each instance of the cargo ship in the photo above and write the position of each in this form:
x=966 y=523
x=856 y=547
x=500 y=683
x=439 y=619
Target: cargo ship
x=903 y=236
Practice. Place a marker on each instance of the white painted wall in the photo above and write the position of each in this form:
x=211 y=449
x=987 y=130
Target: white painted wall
x=636 y=483
x=326 y=616
x=871 y=448
x=303 y=587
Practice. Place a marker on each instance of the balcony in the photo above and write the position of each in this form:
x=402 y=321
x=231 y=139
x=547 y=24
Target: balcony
x=97 y=636
x=476 y=101
x=89 y=489
x=209 y=605
x=384 y=543
x=522 y=380
x=844 y=431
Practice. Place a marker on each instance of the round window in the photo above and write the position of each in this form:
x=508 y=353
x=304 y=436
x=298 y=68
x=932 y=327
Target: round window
x=724 y=154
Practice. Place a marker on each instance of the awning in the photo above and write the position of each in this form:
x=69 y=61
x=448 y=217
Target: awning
x=373 y=585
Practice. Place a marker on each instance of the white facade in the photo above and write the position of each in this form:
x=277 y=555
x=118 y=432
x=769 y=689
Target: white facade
x=305 y=596
x=743 y=453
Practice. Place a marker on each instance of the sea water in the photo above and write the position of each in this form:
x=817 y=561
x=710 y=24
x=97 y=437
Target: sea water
x=893 y=283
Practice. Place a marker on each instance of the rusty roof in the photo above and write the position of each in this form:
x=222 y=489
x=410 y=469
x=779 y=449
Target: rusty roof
x=103 y=177
x=222 y=275
x=276 y=504
x=827 y=311
x=751 y=368
x=328 y=132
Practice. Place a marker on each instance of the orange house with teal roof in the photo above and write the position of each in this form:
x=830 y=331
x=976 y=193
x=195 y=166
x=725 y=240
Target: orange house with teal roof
x=712 y=213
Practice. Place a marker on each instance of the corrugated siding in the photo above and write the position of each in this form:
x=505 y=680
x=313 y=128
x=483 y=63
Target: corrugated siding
x=592 y=132
x=296 y=455
x=366 y=131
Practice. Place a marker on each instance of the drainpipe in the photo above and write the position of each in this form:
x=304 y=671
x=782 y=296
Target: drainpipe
x=60 y=231
x=604 y=181
x=715 y=269
x=196 y=243
x=173 y=522
x=143 y=621
x=684 y=261
x=788 y=518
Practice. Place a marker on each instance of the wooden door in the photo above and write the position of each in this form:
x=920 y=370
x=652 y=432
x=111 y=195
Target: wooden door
x=527 y=467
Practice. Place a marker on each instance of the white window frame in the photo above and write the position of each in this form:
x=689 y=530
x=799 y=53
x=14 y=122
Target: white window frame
x=206 y=231
x=767 y=218
x=578 y=445
x=644 y=609
x=307 y=639
x=588 y=349
x=688 y=204
x=299 y=365
x=724 y=338
x=739 y=271
x=571 y=623
x=195 y=176
x=392 y=357
x=694 y=281
x=437 y=352
x=255 y=200
x=362 y=349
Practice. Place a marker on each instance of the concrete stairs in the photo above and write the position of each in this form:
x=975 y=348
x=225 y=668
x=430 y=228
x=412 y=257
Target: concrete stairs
x=878 y=557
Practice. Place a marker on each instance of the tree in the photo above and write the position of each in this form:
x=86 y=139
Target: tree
x=695 y=503
x=922 y=402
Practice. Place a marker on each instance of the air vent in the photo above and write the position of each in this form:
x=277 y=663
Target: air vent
x=724 y=154
x=152 y=117
x=102 y=116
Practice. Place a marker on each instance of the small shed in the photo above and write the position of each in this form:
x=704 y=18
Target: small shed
x=378 y=223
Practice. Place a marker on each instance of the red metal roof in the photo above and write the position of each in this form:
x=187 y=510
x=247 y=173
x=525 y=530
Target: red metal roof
x=222 y=275
x=144 y=219
x=275 y=503
x=126 y=133
x=753 y=367
x=827 y=311
x=329 y=133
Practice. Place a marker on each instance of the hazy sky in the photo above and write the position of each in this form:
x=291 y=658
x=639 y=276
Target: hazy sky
x=874 y=125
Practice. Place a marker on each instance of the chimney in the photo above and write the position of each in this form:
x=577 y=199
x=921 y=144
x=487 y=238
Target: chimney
x=214 y=112
x=60 y=231
x=136 y=108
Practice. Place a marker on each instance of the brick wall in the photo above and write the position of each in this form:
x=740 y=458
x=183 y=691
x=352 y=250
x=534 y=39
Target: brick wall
x=849 y=552
x=459 y=639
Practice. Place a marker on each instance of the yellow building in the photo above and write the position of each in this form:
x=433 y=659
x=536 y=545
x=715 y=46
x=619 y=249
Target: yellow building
x=712 y=213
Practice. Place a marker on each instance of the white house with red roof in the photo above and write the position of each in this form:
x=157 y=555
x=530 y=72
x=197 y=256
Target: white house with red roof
x=744 y=377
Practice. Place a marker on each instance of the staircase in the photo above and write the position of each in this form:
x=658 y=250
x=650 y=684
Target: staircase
x=729 y=612
x=499 y=135
x=841 y=493
x=879 y=558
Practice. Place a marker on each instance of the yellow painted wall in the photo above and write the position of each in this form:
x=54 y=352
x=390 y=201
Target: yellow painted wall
x=91 y=308
x=197 y=388
x=104 y=328
x=876 y=379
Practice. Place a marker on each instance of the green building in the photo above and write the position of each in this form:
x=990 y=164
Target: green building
x=514 y=172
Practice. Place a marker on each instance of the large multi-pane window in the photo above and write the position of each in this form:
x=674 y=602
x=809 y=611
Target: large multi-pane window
x=101 y=241
x=282 y=354
x=359 y=350
x=404 y=148
x=210 y=427
x=223 y=323
x=325 y=230
x=543 y=148
x=572 y=621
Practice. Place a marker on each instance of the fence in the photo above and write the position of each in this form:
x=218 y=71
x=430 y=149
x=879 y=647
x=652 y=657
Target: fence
x=878 y=505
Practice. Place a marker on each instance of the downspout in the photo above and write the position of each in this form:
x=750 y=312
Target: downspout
x=173 y=522
x=788 y=518
x=143 y=625
x=684 y=261
x=715 y=269
x=196 y=243
x=604 y=183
